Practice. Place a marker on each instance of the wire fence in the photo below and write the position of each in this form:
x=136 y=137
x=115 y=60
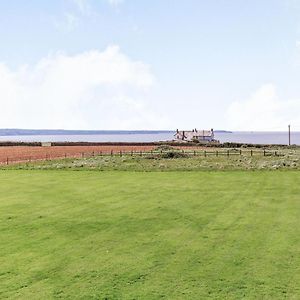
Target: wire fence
x=8 y=160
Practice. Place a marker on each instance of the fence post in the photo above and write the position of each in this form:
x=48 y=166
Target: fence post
x=7 y=160
x=227 y=153
x=120 y=153
x=240 y=151
x=217 y=153
x=194 y=153
x=111 y=152
x=131 y=153
x=65 y=155
x=251 y=152
x=264 y=152
x=82 y=154
x=204 y=153
x=141 y=153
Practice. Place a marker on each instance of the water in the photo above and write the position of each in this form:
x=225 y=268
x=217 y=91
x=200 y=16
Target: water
x=144 y=137
x=259 y=137
x=238 y=137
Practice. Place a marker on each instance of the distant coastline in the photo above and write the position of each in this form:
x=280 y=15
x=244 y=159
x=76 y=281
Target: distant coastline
x=29 y=132
x=140 y=136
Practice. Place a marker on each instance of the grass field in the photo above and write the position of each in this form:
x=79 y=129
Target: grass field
x=137 y=235
x=286 y=159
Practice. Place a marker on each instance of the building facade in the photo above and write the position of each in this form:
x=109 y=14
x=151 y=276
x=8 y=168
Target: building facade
x=194 y=135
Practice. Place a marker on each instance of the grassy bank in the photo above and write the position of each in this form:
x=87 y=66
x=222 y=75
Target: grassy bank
x=129 y=235
x=175 y=160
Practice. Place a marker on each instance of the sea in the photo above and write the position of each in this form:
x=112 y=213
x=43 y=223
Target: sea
x=253 y=137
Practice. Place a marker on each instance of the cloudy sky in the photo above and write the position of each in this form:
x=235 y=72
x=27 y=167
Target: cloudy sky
x=159 y=64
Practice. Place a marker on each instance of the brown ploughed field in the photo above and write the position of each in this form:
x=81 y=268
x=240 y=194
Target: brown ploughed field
x=15 y=154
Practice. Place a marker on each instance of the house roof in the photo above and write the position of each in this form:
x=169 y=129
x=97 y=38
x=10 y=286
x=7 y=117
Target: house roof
x=194 y=134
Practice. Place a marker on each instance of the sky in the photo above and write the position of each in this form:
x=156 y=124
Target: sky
x=147 y=65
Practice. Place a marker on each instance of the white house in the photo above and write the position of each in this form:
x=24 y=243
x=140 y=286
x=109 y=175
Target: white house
x=198 y=135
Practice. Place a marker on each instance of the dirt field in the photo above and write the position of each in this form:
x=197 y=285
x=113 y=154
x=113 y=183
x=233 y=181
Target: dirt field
x=15 y=154
x=27 y=153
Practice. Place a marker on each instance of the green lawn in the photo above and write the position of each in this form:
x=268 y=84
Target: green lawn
x=149 y=235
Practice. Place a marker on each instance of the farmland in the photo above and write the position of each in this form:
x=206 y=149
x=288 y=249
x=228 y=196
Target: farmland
x=18 y=154
x=171 y=159
x=149 y=235
x=32 y=153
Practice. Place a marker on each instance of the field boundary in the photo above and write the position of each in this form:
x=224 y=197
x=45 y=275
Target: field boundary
x=176 y=152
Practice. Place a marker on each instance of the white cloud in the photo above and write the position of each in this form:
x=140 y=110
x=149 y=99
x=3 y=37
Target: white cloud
x=71 y=19
x=263 y=111
x=83 y=6
x=97 y=90
x=68 y=23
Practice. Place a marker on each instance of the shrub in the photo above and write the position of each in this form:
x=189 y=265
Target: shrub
x=173 y=154
x=164 y=148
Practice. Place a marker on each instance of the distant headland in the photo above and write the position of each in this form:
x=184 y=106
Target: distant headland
x=21 y=132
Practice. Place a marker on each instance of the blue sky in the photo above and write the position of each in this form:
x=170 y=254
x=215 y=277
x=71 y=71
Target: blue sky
x=227 y=64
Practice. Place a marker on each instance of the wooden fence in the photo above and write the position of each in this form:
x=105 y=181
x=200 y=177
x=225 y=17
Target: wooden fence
x=143 y=153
